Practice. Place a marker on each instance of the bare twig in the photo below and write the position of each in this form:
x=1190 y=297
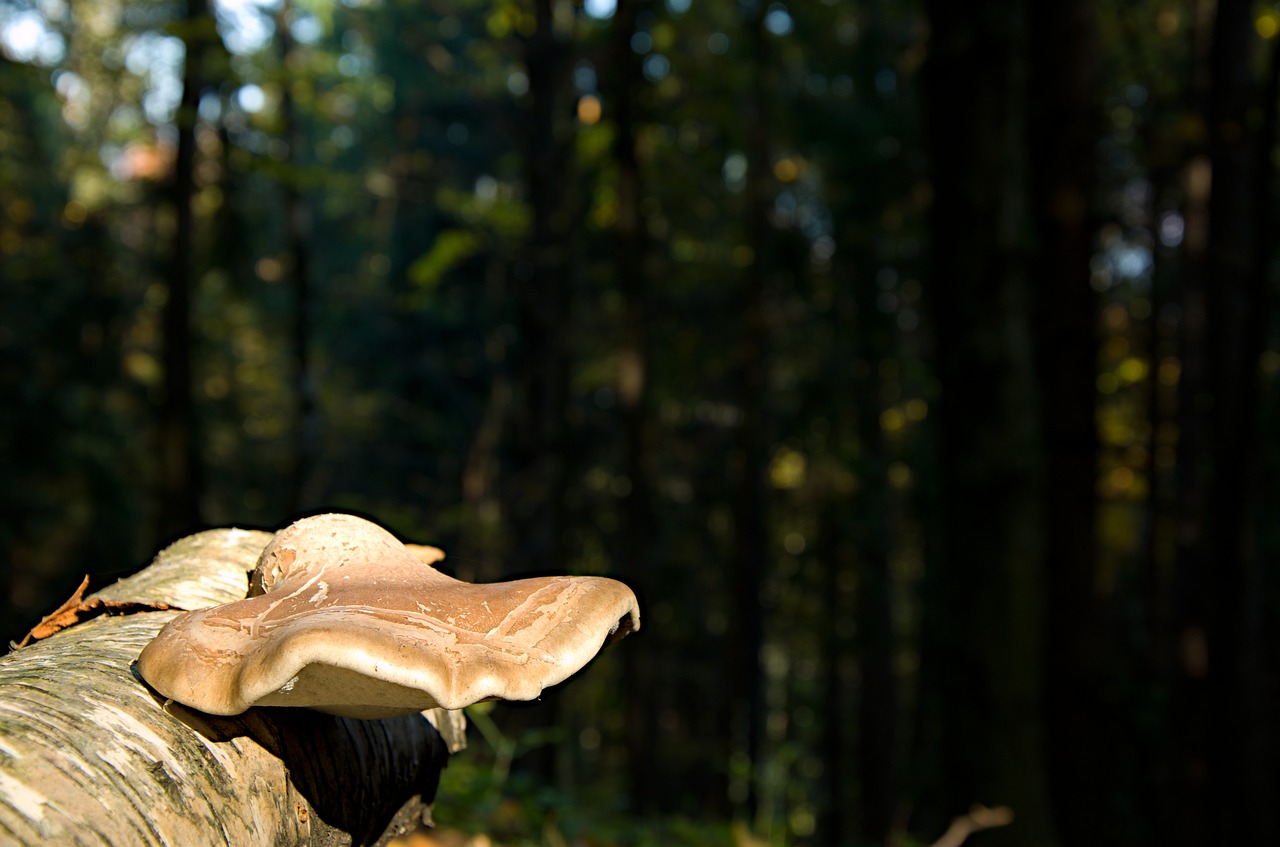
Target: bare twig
x=979 y=818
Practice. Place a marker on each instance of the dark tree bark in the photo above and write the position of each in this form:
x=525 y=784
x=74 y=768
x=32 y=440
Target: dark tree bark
x=858 y=642
x=1221 y=778
x=297 y=225
x=985 y=610
x=1262 y=587
x=481 y=538
x=181 y=476
x=542 y=292
x=750 y=531
x=630 y=253
x=537 y=477
x=877 y=684
x=1184 y=788
x=835 y=550
x=877 y=702
x=1236 y=298
x=1062 y=133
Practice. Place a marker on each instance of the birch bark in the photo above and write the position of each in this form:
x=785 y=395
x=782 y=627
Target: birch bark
x=89 y=755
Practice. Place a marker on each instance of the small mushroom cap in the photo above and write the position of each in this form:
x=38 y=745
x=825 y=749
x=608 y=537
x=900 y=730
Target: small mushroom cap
x=343 y=618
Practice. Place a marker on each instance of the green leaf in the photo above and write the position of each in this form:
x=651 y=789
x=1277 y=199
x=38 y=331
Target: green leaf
x=451 y=247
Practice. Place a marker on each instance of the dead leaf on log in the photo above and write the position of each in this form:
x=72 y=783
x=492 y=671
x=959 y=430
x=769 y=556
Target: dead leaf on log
x=77 y=610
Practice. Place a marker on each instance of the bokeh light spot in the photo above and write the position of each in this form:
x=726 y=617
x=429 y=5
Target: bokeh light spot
x=589 y=109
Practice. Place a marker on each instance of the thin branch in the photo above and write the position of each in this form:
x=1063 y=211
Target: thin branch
x=979 y=818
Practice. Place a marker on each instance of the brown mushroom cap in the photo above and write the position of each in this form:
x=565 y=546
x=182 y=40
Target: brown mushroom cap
x=343 y=618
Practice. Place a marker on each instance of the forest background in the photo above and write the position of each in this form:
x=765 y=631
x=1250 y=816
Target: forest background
x=915 y=362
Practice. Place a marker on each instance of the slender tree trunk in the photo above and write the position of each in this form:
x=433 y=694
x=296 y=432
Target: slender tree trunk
x=986 y=611
x=835 y=550
x=181 y=479
x=1185 y=791
x=297 y=225
x=542 y=290
x=1263 y=656
x=877 y=683
x=1215 y=684
x=1062 y=176
x=848 y=749
x=481 y=540
x=539 y=473
x=751 y=536
x=1236 y=298
x=1163 y=151
x=630 y=253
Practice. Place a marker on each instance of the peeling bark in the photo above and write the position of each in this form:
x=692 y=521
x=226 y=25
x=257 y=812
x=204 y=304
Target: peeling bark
x=89 y=755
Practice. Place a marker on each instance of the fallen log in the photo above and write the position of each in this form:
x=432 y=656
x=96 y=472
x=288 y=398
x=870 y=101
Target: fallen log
x=89 y=755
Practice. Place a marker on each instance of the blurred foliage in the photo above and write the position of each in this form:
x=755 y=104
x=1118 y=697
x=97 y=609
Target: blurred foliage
x=480 y=794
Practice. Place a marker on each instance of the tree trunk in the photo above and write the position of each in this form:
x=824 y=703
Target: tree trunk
x=633 y=390
x=1223 y=777
x=180 y=467
x=542 y=289
x=1236 y=298
x=984 y=599
x=835 y=550
x=539 y=474
x=481 y=539
x=1062 y=175
x=1261 y=582
x=297 y=225
x=93 y=756
x=877 y=684
x=1183 y=787
x=750 y=530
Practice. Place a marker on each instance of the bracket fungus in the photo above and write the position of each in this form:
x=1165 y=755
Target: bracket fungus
x=343 y=618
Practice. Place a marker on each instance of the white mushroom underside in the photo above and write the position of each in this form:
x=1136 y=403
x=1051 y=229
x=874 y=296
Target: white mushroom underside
x=355 y=683
x=358 y=661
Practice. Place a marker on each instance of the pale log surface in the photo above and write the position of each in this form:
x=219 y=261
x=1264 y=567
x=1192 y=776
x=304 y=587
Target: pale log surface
x=90 y=756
